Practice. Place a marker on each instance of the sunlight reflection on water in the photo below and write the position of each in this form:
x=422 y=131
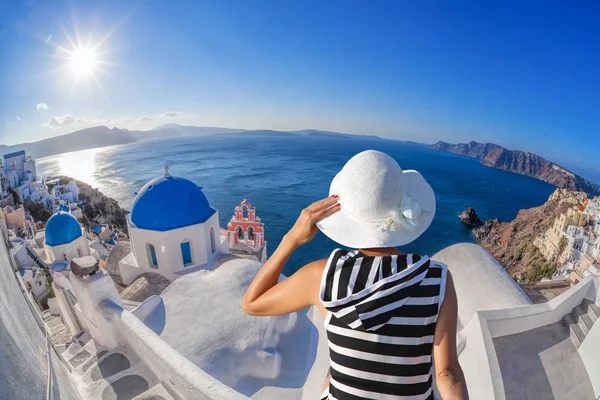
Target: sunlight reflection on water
x=80 y=165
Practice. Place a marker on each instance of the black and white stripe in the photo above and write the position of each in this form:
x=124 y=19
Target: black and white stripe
x=380 y=324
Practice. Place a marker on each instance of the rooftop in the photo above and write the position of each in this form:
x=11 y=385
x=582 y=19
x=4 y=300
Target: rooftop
x=14 y=154
x=266 y=357
x=169 y=202
x=62 y=228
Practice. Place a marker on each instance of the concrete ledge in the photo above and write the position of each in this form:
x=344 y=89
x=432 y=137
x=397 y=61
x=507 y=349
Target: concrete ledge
x=481 y=283
x=520 y=319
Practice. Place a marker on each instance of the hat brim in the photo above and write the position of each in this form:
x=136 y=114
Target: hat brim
x=352 y=232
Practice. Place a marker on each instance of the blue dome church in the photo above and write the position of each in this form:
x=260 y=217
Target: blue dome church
x=63 y=238
x=173 y=230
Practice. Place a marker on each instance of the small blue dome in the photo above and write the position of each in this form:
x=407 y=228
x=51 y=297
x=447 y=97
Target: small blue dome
x=62 y=228
x=169 y=202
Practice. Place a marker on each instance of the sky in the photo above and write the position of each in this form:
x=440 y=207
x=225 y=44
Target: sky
x=520 y=74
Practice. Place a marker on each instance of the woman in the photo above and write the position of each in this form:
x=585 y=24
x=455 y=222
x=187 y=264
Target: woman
x=385 y=312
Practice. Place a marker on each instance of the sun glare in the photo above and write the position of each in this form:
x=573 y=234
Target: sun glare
x=83 y=61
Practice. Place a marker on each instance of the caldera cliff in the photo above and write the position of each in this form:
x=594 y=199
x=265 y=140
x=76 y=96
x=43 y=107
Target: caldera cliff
x=520 y=162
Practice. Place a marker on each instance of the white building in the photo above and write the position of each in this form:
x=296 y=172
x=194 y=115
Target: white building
x=173 y=230
x=14 y=168
x=576 y=238
x=64 y=239
x=36 y=282
x=68 y=193
x=593 y=206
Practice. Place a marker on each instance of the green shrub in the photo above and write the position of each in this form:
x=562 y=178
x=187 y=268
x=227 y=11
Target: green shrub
x=518 y=253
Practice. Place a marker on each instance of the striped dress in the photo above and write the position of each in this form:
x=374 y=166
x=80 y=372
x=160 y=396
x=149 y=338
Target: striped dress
x=380 y=324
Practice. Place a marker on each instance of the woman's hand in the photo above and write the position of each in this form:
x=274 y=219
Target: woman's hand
x=305 y=228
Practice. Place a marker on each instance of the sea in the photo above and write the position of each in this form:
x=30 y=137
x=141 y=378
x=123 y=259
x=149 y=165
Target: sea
x=282 y=175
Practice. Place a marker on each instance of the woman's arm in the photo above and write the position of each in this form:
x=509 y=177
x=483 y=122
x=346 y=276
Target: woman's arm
x=267 y=297
x=449 y=375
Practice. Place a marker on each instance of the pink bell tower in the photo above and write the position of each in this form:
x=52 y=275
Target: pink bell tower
x=245 y=230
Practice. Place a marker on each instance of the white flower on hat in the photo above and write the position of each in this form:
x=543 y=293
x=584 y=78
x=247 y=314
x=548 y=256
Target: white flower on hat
x=406 y=216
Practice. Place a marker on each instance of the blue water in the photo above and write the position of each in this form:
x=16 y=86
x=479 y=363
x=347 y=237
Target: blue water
x=280 y=176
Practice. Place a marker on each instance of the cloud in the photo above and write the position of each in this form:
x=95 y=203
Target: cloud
x=145 y=119
x=18 y=119
x=86 y=120
x=63 y=120
x=171 y=114
x=41 y=106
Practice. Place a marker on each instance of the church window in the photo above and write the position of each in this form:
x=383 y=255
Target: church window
x=213 y=246
x=152 y=256
x=244 y=211
x=251 y=233
x=240 y=233
x=186 y=253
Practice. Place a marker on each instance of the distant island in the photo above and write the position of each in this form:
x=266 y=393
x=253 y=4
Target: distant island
x=520 y=162
x=102 y=136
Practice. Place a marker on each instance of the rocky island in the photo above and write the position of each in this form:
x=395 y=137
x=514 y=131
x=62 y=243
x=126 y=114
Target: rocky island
x=470 y=217
x=520 y=162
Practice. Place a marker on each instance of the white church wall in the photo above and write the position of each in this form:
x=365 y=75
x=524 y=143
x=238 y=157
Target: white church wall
x=195 y=234
x=220 y=248
x=167 y=247
x=76 y=248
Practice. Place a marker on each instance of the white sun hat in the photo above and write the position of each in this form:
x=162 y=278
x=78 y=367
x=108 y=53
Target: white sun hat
x=381 y=205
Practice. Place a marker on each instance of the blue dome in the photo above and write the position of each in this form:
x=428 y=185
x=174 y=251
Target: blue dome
x=169 y=202
x=62 y=228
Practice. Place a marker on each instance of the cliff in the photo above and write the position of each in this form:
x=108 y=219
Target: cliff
x=90 y=138
x=520 y=162
x=511 y=243
x=99 y=209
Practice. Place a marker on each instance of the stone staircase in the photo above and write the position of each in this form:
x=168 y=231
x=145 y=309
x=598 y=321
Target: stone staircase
x=580 y=321
x=58 y=332
x=34 y=256
x=115 y=374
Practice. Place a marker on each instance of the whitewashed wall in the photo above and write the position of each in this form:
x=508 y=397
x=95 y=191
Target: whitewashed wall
x=167 y=246
x=589 y=351
x=54 y=253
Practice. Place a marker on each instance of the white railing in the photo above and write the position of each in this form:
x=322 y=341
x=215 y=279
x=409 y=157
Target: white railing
x=176 y=371
x=50 y=375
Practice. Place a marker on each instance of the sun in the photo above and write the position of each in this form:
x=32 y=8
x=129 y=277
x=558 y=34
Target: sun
x=83 y=61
